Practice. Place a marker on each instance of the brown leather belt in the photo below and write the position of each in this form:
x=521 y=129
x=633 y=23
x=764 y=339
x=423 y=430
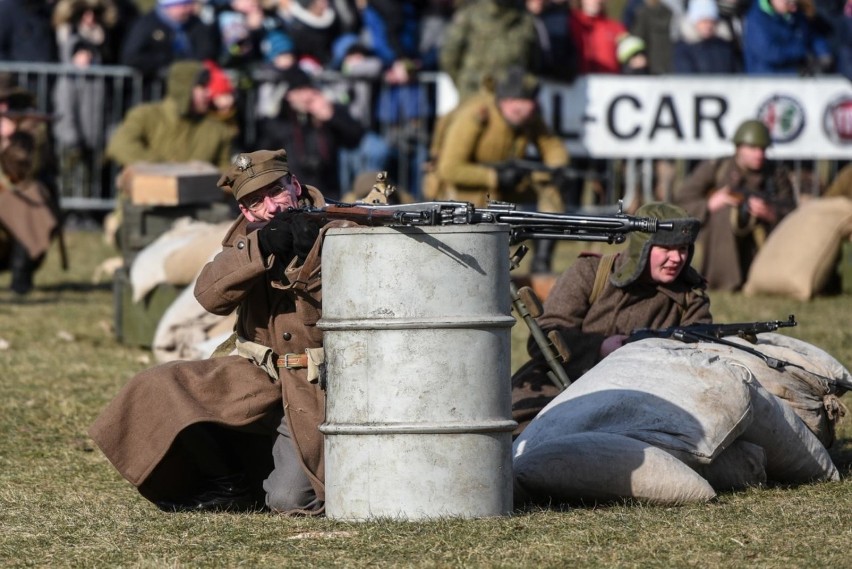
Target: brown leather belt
x=293 y=361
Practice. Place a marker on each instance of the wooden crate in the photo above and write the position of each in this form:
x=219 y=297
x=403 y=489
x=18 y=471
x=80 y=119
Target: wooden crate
x=173 y=184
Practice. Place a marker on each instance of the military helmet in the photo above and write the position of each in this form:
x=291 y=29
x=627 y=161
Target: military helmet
x=754 y=133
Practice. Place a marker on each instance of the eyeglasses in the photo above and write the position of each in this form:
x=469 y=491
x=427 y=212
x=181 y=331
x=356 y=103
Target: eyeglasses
x=256 y=199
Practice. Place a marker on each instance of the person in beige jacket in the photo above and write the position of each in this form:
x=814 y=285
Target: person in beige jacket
x=240 y=430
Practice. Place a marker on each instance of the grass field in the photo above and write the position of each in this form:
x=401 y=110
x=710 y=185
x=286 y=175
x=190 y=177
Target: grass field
x=63 y=505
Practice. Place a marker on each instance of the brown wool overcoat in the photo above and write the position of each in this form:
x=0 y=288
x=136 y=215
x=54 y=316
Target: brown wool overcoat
x=584 y=326
x=27 y=214
x=279 y=311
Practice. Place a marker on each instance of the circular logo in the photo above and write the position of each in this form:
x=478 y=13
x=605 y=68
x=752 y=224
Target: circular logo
x=784 y=116
x=837 y=120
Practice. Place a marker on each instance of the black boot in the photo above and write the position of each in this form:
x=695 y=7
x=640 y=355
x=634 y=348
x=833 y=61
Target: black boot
x=22 y=269
x=222 y=486
x=224 y=494
x=543 y=255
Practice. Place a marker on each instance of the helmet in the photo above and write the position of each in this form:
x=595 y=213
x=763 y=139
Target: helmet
x=754 y=133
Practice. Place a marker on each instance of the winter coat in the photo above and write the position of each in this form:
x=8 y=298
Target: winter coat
x=483 y=39
x=166 y=131
x=727 y=246
x=710 y=56
x=312 y=147
x=653 y=25
x=27 y=214
x=79 y=101
x=25 y=31
x=149 y=43
x=595 y=38
x=277 y=310
x=585 y=326
x=779 y=44
x=312 y=35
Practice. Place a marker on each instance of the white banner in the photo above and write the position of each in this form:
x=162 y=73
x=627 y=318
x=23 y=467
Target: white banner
x=612 y=116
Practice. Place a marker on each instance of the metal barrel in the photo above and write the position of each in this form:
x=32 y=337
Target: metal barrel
x=417 y=326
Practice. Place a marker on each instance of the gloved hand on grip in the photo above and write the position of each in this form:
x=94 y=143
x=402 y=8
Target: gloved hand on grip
x=508 y=177
x=276 y=237
x=305 y=232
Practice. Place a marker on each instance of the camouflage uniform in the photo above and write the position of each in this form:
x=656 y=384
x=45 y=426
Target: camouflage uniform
x=486 y=37
x=477 y=135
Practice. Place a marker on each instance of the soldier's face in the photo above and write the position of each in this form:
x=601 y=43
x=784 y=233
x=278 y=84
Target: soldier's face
x=750 y=157
x=517 y=111
x=666 y=263
x=263 y=204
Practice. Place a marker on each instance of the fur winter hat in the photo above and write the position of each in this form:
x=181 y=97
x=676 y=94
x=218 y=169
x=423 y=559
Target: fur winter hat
x=639 y=244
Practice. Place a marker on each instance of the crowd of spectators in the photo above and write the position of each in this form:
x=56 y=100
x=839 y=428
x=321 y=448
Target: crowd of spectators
x=257 y=42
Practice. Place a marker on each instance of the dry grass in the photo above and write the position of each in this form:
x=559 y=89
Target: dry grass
x=63 y=505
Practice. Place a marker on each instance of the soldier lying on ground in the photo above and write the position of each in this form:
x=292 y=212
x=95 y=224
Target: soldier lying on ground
x=598 y=301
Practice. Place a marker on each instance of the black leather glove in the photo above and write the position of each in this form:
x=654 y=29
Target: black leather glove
x=305 y=232
x=508 y=177
x=276 y=237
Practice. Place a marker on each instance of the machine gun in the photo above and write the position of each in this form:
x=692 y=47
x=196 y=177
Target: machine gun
x=717 y=332
x=524 y=224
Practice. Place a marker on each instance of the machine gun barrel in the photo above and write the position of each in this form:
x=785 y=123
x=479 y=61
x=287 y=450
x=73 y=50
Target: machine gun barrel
x=524 y=225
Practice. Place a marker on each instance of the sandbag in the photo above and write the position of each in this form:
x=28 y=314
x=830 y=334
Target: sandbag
x=658 y=391
x=738 y=467
x=604 y=466
x=793 y=454
x=800 y=253
x=810 y=386
x=182 y=265
x=186 y=331
x=148 y=267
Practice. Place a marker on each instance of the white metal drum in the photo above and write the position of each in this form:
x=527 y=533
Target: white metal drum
x=417 y=337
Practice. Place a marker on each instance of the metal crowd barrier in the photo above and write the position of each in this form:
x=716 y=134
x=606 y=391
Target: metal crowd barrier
x=85 y=181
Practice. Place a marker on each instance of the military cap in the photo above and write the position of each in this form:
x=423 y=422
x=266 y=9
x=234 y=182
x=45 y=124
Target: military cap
x=252 y=171
x=639 y=244
x=516 y=83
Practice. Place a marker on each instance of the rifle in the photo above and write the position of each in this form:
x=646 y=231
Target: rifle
x=717 y=332
x=523 y=224
x=528 y=307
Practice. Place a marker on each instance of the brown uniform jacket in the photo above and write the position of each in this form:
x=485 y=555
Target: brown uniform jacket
x=726 y=249
x=277 y=310
x=477 y=137
x=585 y=326
x=27 y=214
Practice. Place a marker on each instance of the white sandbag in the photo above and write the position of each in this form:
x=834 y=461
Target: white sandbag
x=182 y=264
x=604 y=466
x=185 y=329
x=739 y=466
x=793 y=454
x=659 y=391
x=810 y=386
x=148 y=267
